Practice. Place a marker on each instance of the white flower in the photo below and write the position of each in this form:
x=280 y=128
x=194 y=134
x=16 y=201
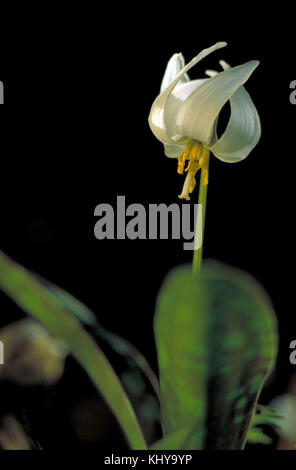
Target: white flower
x=184 y=116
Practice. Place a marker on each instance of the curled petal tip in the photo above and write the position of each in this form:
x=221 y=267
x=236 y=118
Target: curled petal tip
x=252 y=65
x=216 y=46
x=255 y=63
x=175 y=56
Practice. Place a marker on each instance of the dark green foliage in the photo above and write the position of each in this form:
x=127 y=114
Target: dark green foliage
x=216 y=341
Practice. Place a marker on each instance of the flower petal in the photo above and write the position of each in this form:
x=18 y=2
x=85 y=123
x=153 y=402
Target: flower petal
x=196 y=118
x=174 y=103
x=243 y=130
x=156 y=116
x=175 y=65
x=173 y=151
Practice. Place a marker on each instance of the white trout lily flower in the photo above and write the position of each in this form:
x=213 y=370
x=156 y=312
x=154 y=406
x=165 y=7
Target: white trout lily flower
x=185 y=114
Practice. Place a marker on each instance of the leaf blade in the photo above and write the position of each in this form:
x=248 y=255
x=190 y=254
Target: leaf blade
x=216 y=341
x=34 y=299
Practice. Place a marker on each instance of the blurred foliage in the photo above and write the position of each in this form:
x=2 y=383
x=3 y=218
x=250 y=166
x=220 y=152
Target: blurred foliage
x=132 y=356
x=12 y=435
x=217 y=341
x=285 y=405
x=37 y=300
x=264 y=416
x=32 y=356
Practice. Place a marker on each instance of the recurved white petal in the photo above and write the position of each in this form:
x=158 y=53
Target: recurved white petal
x=244 y=128
x=156 y=117
x=197 y=115
x=174 y=66
x=242 y=132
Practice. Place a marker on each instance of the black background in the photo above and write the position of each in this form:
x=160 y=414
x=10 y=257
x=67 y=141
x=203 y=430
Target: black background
x=74 y=134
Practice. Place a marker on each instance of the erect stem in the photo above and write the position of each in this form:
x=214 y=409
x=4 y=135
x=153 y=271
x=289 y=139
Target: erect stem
x=200 y=224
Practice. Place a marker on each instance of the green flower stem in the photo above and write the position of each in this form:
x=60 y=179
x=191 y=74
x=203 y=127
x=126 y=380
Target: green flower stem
x=200 y=225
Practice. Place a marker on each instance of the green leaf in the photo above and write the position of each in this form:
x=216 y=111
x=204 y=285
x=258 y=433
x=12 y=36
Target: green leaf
x=257 y=436
x=36 y=300
x=264 y=416
x=173 y=439
x=80 y=311
x=267 y=416
x=77 y=308
x=216 y=342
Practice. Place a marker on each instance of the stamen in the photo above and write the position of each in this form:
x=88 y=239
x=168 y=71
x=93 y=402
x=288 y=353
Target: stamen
x=181 y=163
x=204 y=170
x=191 y=161
x=198 y=156
x=183 y=156
x=204 y=177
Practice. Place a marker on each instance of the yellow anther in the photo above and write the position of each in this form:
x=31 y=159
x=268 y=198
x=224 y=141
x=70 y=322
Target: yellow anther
x=191 y=161
x=203 y=166
x=183 y=157
x=181 y=163
x=198 y=156
x=204 y=176
x=195 y=154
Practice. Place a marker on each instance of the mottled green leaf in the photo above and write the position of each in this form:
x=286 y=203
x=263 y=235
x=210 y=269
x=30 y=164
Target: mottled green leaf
x=173 y=439
x=267 y=416
x=216 y=341
x=257 y=436
x=264 y=416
